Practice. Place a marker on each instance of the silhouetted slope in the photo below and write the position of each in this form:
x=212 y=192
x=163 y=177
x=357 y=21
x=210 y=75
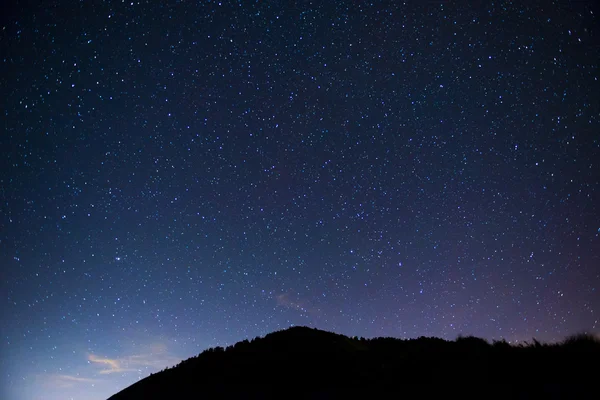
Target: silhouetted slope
x=302 y=362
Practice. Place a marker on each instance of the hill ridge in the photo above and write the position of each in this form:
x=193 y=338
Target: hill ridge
x=322 y=364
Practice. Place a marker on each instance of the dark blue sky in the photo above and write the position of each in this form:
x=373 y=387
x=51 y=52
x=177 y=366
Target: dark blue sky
x=184 y=175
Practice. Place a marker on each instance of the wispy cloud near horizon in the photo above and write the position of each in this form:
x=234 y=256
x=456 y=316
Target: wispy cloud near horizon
x=157 y=358
x=113 y=365
x=100 y=375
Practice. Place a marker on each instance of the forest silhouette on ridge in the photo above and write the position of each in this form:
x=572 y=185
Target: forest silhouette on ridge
x=308 y=363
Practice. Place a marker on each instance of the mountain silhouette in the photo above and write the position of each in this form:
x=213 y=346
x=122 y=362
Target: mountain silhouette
x=308 y=363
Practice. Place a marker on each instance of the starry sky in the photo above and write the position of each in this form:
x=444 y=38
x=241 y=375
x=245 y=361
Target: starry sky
x=177 y=175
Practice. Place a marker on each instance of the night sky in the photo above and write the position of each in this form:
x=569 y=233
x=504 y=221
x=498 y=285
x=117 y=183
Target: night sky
x=180 y=176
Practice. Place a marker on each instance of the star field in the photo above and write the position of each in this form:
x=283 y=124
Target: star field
x=179 y=175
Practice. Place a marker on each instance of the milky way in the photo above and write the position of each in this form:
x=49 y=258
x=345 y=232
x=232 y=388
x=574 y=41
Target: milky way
x=178 y=176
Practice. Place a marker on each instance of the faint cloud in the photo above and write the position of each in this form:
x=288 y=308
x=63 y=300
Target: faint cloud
x=287 y=301
x=158 y=348
x=154 y=360
x=100 y=371
x=284 y=300
x=113 y=365
x=157 y=358
x=67 y=381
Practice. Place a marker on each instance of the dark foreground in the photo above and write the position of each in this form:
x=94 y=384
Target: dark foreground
x=312 y=364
